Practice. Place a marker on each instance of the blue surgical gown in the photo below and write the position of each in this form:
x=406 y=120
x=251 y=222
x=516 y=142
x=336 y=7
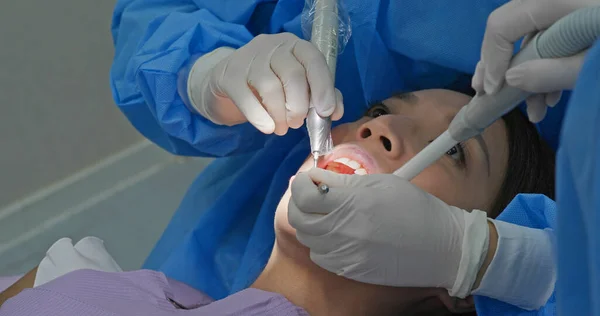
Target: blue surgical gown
x=578 y=196
x=222 y=233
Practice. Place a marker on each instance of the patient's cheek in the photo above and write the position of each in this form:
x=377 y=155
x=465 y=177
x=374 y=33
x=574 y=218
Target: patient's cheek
x=282 y=225
x=440 y=184
x=344 y=133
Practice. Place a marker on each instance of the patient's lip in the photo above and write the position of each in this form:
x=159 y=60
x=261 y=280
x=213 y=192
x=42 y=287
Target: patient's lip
x=354 y=152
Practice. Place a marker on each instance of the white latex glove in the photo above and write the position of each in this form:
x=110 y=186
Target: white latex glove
x=547 y=77
x=269 y=82
x=63 y=257
x=380 y=229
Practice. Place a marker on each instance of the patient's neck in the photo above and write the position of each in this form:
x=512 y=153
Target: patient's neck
x=291 y=273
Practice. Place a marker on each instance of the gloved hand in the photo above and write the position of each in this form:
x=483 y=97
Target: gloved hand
x=547 y=77
x=381 y=229
x=269 y=82
x=63 y=257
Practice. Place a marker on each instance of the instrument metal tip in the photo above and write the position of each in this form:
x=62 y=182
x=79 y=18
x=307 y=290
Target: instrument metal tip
x=323 y=188
x=315 y=158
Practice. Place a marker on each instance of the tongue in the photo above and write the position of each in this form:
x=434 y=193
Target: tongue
x=339 y=168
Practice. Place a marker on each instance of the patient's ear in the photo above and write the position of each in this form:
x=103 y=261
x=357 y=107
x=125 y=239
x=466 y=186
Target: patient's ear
x=454 y=304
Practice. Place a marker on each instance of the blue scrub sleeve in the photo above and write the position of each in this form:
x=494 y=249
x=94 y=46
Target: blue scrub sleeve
x=154 y=40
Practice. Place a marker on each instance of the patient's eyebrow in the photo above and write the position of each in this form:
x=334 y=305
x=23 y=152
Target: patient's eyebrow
x=485 y=150
x=407 y=97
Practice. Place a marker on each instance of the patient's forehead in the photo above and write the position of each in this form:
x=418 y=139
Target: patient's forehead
x=446 y=101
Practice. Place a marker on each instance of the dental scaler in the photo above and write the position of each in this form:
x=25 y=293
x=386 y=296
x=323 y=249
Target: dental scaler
x=571 y=35
x=325 y=38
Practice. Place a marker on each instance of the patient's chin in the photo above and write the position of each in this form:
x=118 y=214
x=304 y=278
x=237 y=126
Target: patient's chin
x=282 y=225
x=284 y=232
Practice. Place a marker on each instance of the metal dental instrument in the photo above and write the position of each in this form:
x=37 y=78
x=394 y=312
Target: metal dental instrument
x=571 y=35
x=325 y=38
x=323 y=188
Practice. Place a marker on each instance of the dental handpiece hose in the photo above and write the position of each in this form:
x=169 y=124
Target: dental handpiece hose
x=570 y=35
x=325 y=37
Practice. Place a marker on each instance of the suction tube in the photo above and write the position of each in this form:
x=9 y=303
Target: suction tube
x=570 y=35
x=427 y=156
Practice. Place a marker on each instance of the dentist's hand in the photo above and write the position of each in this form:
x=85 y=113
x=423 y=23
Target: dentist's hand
x=380 y=229
x=546 y=77
x=269 y=82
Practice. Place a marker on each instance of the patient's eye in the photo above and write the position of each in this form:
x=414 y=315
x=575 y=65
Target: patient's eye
x=458 y=154
x=376 y=110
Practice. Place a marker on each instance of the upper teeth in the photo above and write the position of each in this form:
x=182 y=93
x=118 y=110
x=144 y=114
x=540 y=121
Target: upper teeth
x=358 y=169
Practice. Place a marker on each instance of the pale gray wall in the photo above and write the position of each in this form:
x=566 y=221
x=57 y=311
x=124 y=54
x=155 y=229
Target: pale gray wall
x=57 y=115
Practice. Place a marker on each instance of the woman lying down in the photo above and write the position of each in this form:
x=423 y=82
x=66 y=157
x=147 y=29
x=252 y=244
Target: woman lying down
x=484 y=173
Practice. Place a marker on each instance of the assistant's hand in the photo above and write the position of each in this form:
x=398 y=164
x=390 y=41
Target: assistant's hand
x=546 y=77
x=380 y=229
x=269 y=82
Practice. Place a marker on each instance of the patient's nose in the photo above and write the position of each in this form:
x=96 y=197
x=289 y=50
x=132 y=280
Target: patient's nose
x=387 y=136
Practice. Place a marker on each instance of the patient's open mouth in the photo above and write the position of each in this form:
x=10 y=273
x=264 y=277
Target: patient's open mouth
x=349 y=159
x=346 y=166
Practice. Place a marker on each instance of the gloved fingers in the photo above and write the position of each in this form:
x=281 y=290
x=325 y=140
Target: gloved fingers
x=332 y=265
x=318 y=243
x=305 y=195
x=332 y=179
x=536 y=108
x=346 y=182
x=247 y=102
x=339 y=108
x=295 y=85
x=493 y=73
x=270 y=90
x=504 y=27
x=308 y=199
x=325 y=261
x=477 y=80
x=343 y=241
x=546 y=75
x=322 y=91
x=553 y=98
x=307 y=223
x=527 y=38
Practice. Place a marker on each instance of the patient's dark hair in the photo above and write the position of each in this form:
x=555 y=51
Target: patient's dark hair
x=531 y=162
